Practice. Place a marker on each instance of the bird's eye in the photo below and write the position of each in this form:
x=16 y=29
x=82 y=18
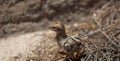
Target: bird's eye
x=54 y=27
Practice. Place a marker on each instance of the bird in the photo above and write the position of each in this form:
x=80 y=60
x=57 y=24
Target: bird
x=71 y=45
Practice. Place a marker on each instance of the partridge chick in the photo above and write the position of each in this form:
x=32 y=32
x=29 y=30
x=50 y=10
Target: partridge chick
x=70 y=44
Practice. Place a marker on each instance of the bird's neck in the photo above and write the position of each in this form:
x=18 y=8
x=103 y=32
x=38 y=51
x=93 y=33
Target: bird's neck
x=61 y=35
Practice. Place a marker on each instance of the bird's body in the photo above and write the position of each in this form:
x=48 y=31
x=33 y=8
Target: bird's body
x=70 y=44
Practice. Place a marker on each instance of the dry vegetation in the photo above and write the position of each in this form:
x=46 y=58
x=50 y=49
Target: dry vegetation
x=96 y=22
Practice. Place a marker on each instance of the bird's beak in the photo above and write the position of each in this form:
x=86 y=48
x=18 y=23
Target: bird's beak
x=49 y=27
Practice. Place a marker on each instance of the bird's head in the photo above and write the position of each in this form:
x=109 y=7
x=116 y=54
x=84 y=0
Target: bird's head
x=57 y=26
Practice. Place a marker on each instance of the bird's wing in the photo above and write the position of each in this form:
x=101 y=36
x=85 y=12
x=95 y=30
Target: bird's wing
x=71 y=43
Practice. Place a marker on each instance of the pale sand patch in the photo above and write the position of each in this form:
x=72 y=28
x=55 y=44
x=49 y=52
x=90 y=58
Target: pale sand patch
x=21 y=45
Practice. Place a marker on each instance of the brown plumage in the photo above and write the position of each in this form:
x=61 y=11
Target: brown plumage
x=70 y=44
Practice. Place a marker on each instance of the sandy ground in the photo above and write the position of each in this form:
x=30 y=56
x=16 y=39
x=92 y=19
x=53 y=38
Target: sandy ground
x=20 y=46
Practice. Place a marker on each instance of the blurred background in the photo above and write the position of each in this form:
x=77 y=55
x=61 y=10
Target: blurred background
x=18 y=16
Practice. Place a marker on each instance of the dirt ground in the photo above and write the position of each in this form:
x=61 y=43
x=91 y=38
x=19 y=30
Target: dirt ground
x=19 y=47
x=24 y=33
